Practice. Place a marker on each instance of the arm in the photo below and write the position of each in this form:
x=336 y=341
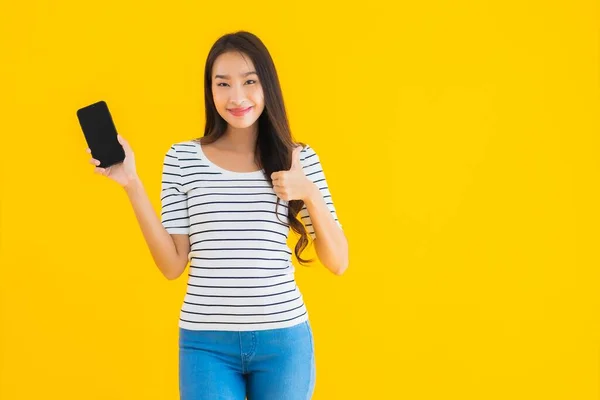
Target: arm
x=169 y=251
x=331 y=244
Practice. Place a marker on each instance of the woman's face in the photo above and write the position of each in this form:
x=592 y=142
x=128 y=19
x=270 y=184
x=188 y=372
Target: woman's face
x=237 y=92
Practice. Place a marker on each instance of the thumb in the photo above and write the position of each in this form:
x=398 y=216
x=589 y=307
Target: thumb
x=124 y=143
x=296 y=158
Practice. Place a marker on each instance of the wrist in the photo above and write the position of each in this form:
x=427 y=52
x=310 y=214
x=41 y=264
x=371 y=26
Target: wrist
x=132 y=184
x=313 y=194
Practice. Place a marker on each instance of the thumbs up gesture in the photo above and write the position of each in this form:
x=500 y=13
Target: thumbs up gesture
x=292 y=184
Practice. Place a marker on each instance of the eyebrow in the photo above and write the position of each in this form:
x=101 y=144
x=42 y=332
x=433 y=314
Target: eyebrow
x=243 y=75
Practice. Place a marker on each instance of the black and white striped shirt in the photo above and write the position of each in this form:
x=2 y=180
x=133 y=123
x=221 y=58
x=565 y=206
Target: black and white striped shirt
x=241 y=275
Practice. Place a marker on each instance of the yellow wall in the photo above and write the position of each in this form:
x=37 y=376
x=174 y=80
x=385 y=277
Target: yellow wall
x=460 y=140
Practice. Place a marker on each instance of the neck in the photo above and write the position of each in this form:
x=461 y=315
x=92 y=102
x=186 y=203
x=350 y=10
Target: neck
x=240 y=140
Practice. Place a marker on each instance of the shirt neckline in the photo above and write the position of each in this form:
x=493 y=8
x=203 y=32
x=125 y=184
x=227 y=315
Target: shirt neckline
x=259 y=172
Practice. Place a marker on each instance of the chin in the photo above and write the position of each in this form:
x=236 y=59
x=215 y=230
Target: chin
x=241 y=124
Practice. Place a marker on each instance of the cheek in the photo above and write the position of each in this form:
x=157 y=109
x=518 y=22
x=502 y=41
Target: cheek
x=258 y=98
x=218 y=100
x=220 y=105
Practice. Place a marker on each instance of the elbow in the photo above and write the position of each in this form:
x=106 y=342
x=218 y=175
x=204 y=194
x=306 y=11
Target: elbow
x=337 y=262
x=172 y=273
x=342 y=265
x=339 y=268
x=171 y=277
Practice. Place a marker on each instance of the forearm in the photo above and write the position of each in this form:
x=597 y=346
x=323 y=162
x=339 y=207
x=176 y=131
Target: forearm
x=159 y=241
x=331 y=244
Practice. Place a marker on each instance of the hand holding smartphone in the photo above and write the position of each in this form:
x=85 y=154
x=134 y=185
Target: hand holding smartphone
x=101 y=134
x=111 y=153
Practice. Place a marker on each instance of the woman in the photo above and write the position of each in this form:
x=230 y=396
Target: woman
x=229 y=200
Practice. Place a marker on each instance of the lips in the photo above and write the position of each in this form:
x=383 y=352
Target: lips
x=238 y=112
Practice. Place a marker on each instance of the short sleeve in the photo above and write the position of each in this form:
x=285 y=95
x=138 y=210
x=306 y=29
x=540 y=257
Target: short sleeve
x=173 y=198
x=313 y=170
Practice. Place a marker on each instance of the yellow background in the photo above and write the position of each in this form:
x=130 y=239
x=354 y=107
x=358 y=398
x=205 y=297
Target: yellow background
x=460 y=141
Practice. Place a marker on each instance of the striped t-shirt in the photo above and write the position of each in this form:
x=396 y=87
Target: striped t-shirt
x=241 y=275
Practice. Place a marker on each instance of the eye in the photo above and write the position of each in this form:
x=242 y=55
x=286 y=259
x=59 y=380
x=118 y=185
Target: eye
x=249 y=80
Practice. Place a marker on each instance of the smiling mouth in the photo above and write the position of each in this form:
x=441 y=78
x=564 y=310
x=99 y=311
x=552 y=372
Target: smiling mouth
x=239 y=111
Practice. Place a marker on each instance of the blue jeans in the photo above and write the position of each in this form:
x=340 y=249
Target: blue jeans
x=274 y=364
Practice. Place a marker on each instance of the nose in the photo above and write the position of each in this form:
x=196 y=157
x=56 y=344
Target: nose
x=237 y=96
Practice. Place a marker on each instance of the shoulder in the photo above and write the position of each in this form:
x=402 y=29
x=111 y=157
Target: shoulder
x=307 y=151
x=185 y=146
x=177 y=149
x=308 y=155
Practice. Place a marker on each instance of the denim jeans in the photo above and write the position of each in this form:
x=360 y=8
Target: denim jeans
x=274 y=364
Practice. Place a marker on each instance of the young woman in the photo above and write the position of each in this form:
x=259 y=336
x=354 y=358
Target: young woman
x=228 y=202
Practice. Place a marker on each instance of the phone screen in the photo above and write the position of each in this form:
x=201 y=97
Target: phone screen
x=101 y=134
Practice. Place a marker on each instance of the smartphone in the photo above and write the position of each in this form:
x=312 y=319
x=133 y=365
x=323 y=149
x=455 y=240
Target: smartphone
x=101 y=134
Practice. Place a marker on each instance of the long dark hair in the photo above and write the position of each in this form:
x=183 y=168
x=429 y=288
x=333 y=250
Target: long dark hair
x=274 y=145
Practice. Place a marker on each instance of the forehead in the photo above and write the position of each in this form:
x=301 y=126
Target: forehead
x=233 y=64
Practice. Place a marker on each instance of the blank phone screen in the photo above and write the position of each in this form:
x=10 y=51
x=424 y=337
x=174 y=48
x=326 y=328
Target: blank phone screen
x=101 y=134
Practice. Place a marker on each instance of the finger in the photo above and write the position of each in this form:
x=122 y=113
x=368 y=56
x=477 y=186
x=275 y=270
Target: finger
x=99 y=170
x=283 y=196
x=280 y=179
x=281 y=175
x=88 y=150
x=93 y=161
x=124 y=143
